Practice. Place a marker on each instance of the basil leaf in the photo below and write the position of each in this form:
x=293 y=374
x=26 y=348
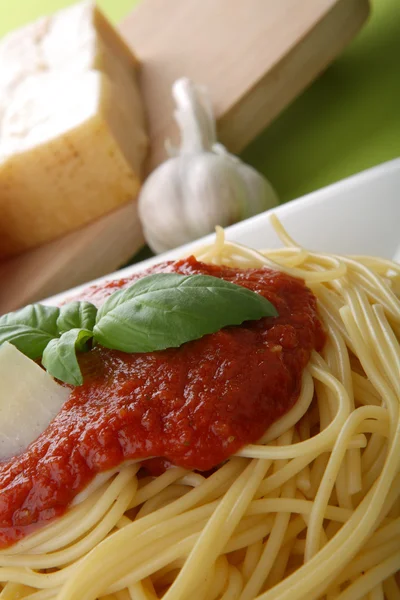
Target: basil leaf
x=77 y=315
x=30 y=329
x=59 y=357
x=167 y=309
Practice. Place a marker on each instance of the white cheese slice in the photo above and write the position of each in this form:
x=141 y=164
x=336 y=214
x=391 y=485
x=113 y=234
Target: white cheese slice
x=29 y=401
x=72 y=134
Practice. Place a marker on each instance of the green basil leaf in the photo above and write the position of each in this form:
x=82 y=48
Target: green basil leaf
x=30 y=329
x=167 y=309
x=77 y=315
x=59 y=356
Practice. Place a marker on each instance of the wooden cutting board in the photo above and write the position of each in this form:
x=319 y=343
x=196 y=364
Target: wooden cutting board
x=255 y=57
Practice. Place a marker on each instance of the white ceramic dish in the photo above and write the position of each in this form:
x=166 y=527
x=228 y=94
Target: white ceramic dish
x=359 y=215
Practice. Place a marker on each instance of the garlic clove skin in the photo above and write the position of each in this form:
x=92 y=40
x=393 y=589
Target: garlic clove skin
x=160 y=207
x=186 y=196
x=214 y=194
x=260 y=195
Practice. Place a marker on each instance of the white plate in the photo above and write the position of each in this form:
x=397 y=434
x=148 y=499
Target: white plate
x=359 y=215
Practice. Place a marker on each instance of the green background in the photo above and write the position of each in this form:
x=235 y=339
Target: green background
x=346 y=121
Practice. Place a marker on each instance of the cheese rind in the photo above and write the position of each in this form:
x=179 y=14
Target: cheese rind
x=72 y=133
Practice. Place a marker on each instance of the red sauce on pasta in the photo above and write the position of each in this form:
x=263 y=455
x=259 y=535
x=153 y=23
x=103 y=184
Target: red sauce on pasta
x=193 y=406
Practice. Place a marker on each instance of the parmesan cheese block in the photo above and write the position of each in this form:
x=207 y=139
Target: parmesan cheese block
x=72 y=135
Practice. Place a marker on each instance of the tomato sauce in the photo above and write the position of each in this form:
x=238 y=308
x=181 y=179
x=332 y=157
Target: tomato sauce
x=193 y=406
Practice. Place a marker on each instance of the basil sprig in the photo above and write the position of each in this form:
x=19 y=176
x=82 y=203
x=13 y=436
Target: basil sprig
x=30 y=329
x=159 y=311
x=52 y=334
x=59 y=356
x=77 y=315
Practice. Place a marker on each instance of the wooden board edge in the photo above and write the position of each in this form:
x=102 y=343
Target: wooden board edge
x=266 y=100
x=99 y=248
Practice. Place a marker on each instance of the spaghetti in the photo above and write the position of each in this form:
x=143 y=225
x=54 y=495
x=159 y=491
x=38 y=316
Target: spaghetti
x=312 y=511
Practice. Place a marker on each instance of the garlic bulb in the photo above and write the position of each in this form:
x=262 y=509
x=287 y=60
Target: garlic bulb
x=201 y=185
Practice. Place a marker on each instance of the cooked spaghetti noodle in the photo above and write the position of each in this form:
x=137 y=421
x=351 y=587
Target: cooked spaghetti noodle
x=312 y=511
